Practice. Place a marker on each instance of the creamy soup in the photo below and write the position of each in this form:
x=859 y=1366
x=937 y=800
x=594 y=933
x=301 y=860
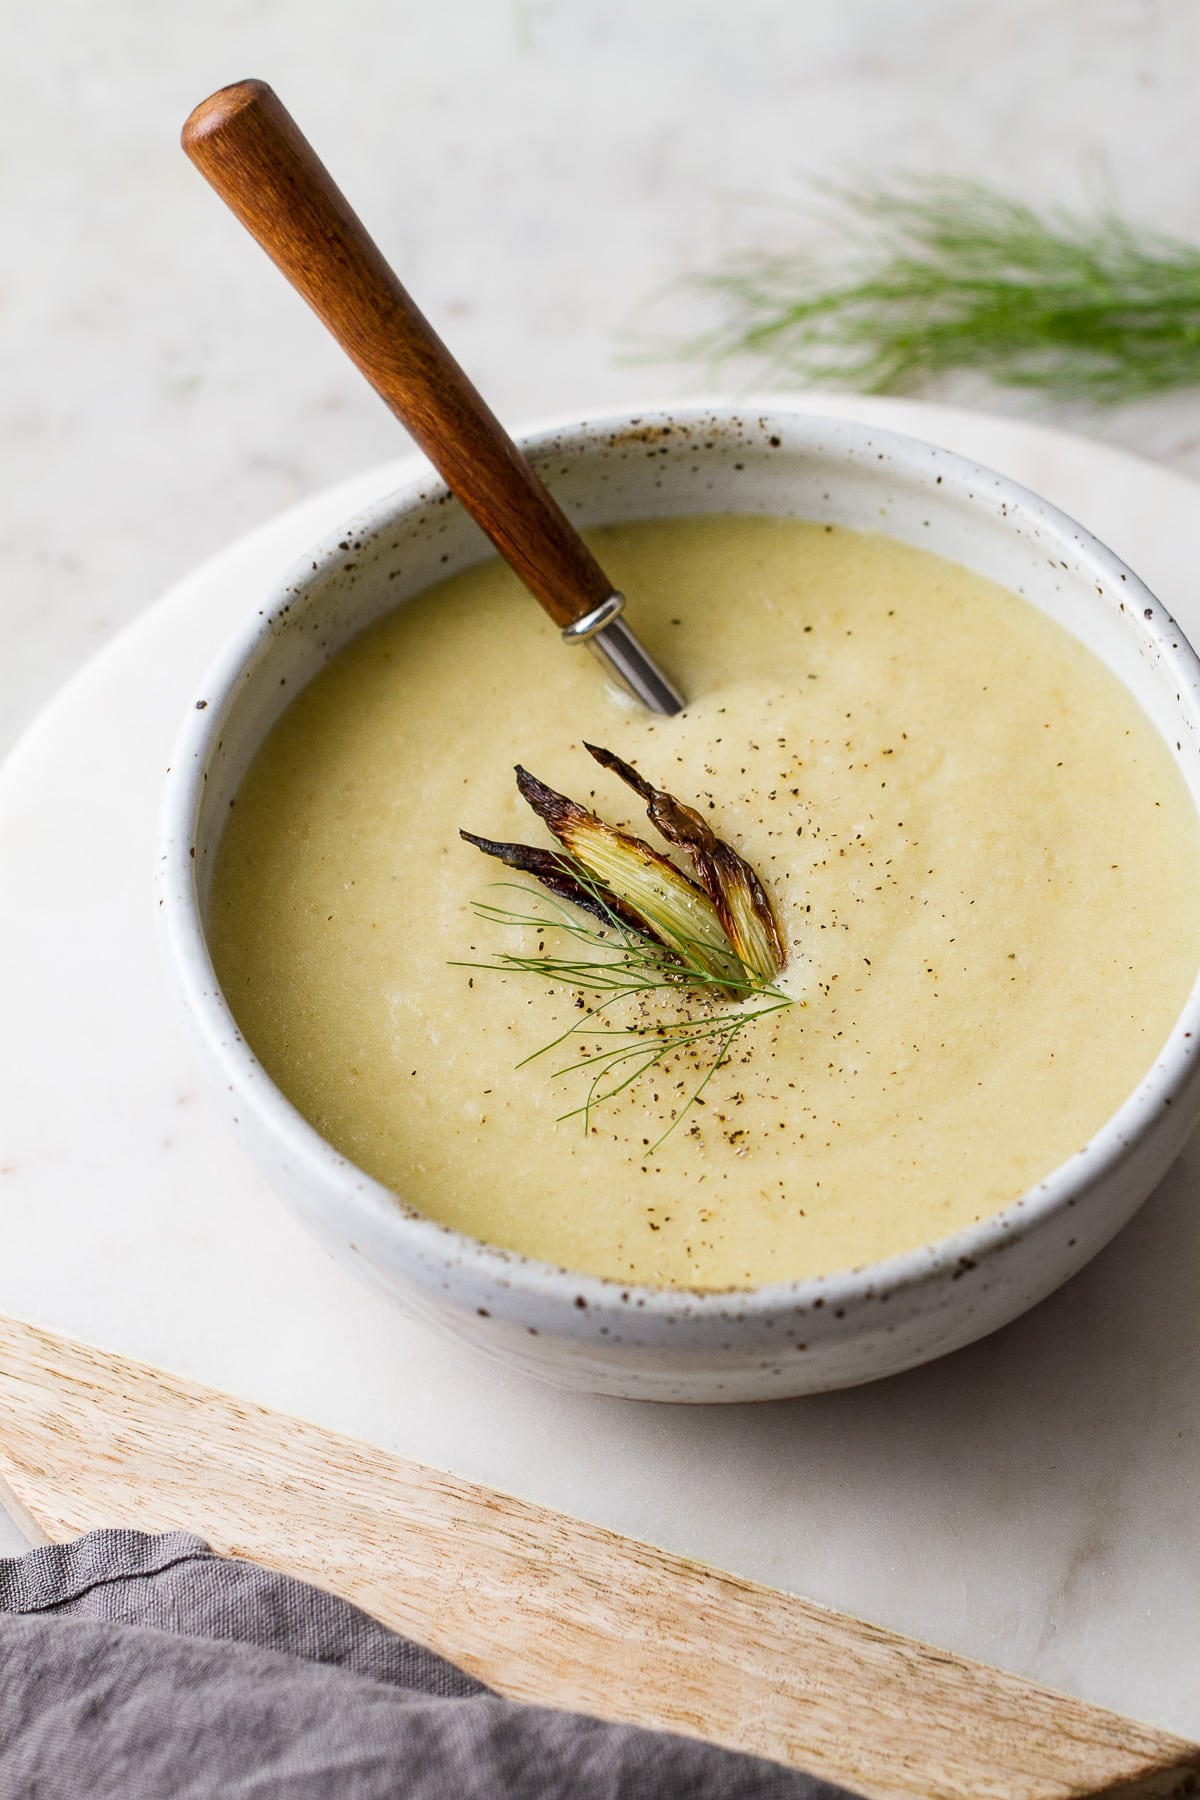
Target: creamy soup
x=980 y=853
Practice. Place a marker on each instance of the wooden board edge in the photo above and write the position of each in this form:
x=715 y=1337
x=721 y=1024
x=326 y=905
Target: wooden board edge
x=11 y=1501
x=958 y=1729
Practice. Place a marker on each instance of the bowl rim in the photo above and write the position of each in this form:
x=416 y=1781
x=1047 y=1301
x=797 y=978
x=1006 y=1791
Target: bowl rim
x=510 y=1276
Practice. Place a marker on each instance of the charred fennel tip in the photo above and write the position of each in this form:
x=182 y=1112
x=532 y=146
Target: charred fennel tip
x=720 y=924
x=734 y=888
x=555 y=874
x=662 y=934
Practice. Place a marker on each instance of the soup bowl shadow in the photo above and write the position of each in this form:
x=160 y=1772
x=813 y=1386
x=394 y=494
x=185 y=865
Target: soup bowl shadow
x=585 y=1332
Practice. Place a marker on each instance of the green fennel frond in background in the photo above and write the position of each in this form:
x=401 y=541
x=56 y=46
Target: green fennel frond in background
x=938 y=274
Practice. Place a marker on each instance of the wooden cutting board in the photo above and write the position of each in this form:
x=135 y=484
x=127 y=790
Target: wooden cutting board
x=545 y=1607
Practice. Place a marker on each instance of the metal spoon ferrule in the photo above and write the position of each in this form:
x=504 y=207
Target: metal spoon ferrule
x=580 y=630
x=623 y=655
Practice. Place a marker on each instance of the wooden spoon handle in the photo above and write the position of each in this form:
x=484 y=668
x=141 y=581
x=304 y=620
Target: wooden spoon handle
x=248 y=146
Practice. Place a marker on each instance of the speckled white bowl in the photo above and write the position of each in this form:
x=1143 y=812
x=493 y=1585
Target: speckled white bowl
x=579 y=1331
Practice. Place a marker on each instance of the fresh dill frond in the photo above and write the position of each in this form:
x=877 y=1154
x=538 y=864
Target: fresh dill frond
x=610 y=964
x=715 y=1039
x=936 y=274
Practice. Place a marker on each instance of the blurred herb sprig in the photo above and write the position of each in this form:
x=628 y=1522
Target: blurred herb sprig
x=936 y=274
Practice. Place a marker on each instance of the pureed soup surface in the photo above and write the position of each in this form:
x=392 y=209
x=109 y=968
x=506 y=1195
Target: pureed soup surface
x=977 y=846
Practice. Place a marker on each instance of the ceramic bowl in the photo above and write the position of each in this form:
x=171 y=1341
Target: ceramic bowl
x=580 y=1331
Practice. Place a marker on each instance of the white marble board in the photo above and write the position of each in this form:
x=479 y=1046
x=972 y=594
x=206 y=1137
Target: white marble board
x=1029 y=1502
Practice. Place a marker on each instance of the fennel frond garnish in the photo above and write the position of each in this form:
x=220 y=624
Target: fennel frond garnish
x=939 y=273
x=708 y=947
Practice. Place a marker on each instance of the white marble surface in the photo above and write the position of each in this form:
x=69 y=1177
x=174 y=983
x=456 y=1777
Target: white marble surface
x=538 y=170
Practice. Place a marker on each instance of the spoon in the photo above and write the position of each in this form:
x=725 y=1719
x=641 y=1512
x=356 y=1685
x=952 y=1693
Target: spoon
x=250 y=149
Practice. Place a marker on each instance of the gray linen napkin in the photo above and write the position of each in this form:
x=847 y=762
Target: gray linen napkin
x=149 y=1668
